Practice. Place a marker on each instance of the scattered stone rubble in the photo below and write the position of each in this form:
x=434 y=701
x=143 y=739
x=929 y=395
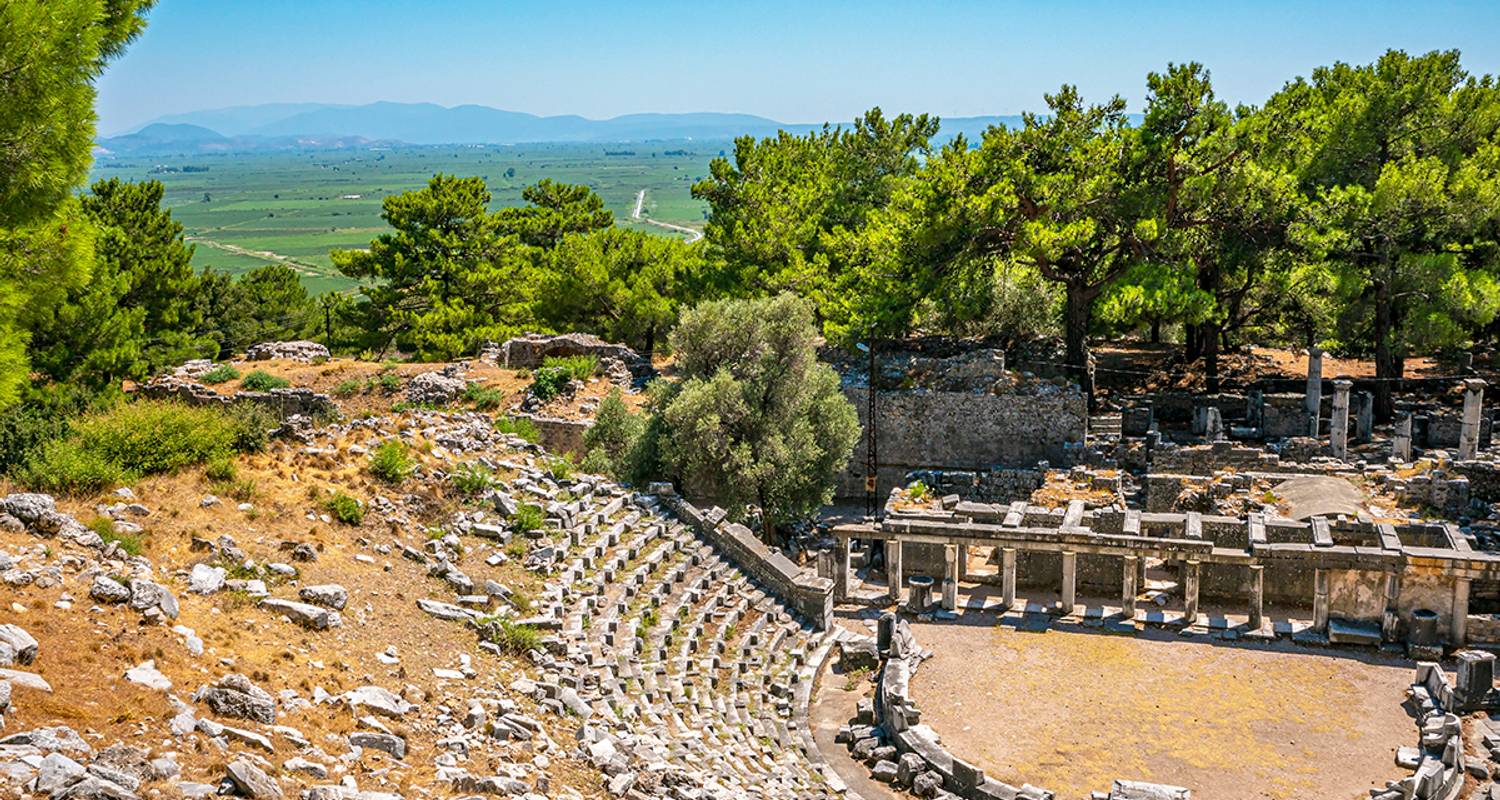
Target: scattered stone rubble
x=291 y=351
x=660 y=660
x=437 y=388
x=529 y=351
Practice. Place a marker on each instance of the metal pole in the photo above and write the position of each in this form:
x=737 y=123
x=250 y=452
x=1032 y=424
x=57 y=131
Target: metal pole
x=870 y=461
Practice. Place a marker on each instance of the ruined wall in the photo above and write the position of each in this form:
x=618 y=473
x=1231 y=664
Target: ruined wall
x=920 y=429
x=801 y=589
x=998 y=485
x=1429 y=590
x=281 y=402
x=1210 y=458
x=1356 y=595
x=561 y=435
x=1483 y=477
x=1283 y=415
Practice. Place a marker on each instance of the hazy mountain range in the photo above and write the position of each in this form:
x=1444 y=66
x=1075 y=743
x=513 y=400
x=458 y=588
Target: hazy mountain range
x=316 y=125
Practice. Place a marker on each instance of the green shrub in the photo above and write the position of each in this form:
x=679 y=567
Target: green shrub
x=347 y=388
x=389 y=382
x=471 y=478
x=253 y=424
x=136 y=439
x=529 y=517
x=105 y=527
x=577 y=368
x=345 y=509
x=560 y=469
x=513 y=637
x=614 y=441
x=597 y=462
x=220 y=468
x=917 y=492
x=26 y=428
x=67 y=466
x=549 y=383
x=262 y=381
x=483 y=397
x=520 y=427
x=220 y=374
x=392 y=462
x=151 y=437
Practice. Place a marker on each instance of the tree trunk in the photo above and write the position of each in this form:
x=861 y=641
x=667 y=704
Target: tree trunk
x=1191 y=350
x=1208 y=340
x=1386 y=370
x=1076 y=334
x=767 y=527
x=650 y=340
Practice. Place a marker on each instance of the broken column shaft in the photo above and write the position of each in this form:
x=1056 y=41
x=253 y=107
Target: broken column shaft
x=1069 y=581
x=1314 y=400
x=1468 y=433
x=1338 y=426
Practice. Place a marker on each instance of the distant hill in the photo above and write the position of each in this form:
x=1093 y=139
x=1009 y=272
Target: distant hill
x=320 y=125
x=162 y=135
x=185 y=138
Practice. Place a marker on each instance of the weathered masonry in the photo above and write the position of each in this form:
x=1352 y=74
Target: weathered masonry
x=1363 y=581
x=929 y=429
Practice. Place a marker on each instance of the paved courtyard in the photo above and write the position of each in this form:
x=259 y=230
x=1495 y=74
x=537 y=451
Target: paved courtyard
x=1072 y=710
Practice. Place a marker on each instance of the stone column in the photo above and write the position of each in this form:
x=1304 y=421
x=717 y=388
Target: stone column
x=1257 y=596
x=1391 y=622
x=1008 y=577
x=963 y=562
x=1460 y=612
x=1320 y=600
x=1069 y=581
x=1468 y=434
x=1401 y=442
x=950 y=578
x=1364 y=417
x=1190 y=572
x=1314 y=402
x=1338 y=427
x=893 y=575
x=1128 y=587
x=842 y=555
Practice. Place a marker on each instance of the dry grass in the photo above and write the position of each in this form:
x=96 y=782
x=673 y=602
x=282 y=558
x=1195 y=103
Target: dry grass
x=84 y=654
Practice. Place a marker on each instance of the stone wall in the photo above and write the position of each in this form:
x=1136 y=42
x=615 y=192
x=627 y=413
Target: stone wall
x=529 y=351
x=925 y=429
x=281 y=402
x=1283 y=415
x=1484 y=479
x=997 y=485
x=561 y=435
x=1210 y=458
x=801 y=589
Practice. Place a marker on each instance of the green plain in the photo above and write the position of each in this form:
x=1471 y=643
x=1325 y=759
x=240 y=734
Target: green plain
x=250 y=209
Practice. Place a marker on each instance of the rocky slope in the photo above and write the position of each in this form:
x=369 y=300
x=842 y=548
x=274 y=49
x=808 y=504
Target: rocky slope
x=232 y=636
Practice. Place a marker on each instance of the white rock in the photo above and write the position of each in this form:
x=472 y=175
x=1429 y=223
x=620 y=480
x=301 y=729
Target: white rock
x=206 y=579
x=147 y=675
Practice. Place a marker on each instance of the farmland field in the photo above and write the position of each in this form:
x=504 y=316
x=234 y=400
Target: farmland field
x=244 y=210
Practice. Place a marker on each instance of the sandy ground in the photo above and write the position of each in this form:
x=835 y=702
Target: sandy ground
x=1074 y=710
x=834 y=703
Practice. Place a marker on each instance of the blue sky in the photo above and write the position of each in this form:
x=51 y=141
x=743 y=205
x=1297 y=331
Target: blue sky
x=792 y=61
